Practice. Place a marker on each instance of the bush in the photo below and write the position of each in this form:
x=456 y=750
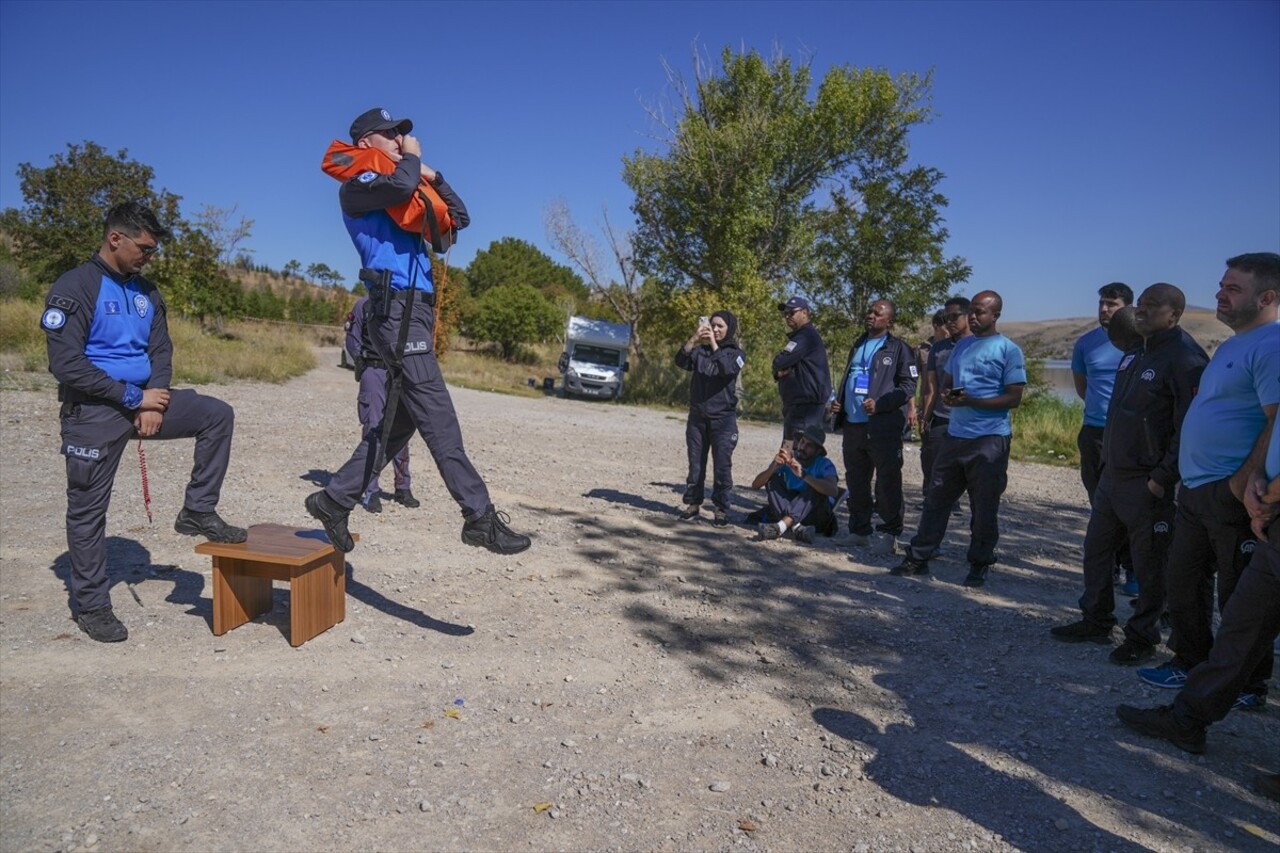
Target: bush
x=1045 y=429
x=511 y=315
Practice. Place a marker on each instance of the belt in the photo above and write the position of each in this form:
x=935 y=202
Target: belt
x=938 y=420
x=428 y=297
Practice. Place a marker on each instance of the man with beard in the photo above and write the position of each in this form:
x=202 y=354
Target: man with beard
x=801 y=487
x=1224 y=439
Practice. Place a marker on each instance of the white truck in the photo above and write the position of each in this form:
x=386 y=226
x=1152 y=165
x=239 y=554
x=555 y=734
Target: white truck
x=594 y=358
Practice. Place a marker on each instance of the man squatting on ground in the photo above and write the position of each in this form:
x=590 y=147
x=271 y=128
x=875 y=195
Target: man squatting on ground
x=878 y=381
x=935 y=413
x=801 y=486
x=1133 y=499
x=801 y=371
x=714 y=358
x=1093 y=368
x=109 y=347
x=983 y=382
x=371 y=373
x=426 y=405
x=1250 y=624
x=1224 y=439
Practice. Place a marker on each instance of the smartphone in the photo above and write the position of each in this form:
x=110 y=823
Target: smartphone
x=955 y=392
x=704 y=321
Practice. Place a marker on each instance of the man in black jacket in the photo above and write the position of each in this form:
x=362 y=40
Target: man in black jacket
x=878 y=381
x=109 y=347
x=802 y=372
x=1155 y=383
x=713 y=357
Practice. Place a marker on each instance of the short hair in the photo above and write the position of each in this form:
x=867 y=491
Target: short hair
x=1117 y=290
x=133 y=218
x=1122 y=330
x=961 y=302
x=1168 y=294
x=1265 y=267
x=939 y=317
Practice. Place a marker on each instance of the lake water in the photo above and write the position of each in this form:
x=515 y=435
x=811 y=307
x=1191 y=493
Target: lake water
x=1058 y=373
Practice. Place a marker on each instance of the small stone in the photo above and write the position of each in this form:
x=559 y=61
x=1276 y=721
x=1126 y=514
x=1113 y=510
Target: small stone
x=633 y=778
x=569 y=743
x=720 y=787
x=771 y=760
x=424 y=806
x=358 y=638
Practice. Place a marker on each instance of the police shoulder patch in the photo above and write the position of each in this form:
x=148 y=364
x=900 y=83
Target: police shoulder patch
x=53 y=319
x=67 y=305
x=791 y=345
x=741 y=363
x=366 y=177
x=915 y=374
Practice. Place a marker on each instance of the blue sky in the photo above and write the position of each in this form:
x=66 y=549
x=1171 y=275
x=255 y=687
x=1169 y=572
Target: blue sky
x=1082 y=142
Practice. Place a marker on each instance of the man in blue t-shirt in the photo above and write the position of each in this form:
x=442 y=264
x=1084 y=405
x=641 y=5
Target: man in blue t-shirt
x=1250 y=623
x=1094 y=360
x=801 y=486
x=1224 y=441
x=983 y=383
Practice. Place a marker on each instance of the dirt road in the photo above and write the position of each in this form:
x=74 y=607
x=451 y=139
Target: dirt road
x=629 y=683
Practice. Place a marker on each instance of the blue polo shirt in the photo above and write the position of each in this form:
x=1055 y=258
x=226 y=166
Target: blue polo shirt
x=984 y=368
x=821 y=468
x=1226 y=415
x=1096 y=359
x=1273 y=453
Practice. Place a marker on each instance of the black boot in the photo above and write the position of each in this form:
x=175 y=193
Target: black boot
x=333 y=516
x=490 y=531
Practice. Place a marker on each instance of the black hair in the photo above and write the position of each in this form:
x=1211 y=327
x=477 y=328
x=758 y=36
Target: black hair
x=1265 y=267
x=1122 y=330
x=1117 y=290
x=1168 y=294
x=939 y=317
x=134 y=218
x=961 y=302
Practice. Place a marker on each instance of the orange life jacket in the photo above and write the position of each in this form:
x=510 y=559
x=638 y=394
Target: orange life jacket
x=424 y=213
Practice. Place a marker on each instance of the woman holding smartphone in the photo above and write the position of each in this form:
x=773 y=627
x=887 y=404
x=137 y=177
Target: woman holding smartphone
x=713 y=357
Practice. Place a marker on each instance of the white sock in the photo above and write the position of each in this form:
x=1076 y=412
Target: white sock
x=782 y=527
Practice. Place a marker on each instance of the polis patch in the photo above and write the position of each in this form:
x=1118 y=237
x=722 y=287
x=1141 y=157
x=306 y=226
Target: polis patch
x=53 y=319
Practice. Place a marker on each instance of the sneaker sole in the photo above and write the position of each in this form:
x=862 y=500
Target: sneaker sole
x=480 y=543
x=1163 y=685
x=101 y=639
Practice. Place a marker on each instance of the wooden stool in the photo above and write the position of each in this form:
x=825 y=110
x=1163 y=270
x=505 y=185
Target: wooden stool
x=242 y=576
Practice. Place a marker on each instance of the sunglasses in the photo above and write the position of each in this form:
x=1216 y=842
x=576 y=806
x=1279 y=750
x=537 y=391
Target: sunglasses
x=792 y=312
x=951 y=318
x=147 y=250
x=389 y=133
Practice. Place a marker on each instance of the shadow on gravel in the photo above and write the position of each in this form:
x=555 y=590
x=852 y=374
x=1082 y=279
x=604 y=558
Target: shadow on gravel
x=635 y=501
x=317 y=477
x=129 y=563
x=370 y=596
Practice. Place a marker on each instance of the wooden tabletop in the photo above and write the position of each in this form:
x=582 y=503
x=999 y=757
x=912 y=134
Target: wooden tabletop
x=275 y=543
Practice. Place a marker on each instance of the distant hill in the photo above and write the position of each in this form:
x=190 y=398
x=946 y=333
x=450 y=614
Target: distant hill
x=1055 y=338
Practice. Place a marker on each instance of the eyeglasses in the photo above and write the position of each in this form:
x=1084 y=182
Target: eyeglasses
x=951 y=318
x=147 y=250
x=389 y=133
x=792 y=312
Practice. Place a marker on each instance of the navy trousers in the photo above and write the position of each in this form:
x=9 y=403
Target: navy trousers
x=874 y=449
x=979 y=466
x=717 y=437
x=370 y=403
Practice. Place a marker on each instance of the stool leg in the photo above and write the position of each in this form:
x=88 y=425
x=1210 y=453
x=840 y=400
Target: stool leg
x=237 y=598
x=316 y=599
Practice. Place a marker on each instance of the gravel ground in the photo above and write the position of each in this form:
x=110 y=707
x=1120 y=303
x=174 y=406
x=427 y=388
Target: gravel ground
x=629 y=683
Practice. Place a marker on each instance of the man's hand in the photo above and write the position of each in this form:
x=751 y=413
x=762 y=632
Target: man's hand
x=1262 y=500
x=956 y=398
x=911 y=419
x=148 y=423
x=411 y=145
x=869 y=406
x=836 y=407
x=1155 y=488
x=154 y=400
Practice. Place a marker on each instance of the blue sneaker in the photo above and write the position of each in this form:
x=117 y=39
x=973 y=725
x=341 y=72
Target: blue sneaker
x=1129 y=588
x=1166 y=675
x=1250 y=702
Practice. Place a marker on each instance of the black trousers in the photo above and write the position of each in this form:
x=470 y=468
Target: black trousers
x=1089 y=442
x=94 y=436
x=799 y=416
x=1124 y=510
x=874 y=449
x=930 y=441
x=979 y=466
x=1244 y=644
x=1211 y=536
x=425 y=407
x=717 y=437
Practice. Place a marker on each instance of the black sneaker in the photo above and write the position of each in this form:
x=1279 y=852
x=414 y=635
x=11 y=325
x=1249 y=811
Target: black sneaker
x=374 y=503
x=1081 y=632
x=909 y=567
x=491 y=531
x=977 y=575
x=1132 y=651
x=690 y=513
x=1160 y=722
x=721 y=518
x=333 y=516
x=209 y=525
x=767 y=531
x=756 y=516
x=802 y=533
x=102 y=625
x=405 y=497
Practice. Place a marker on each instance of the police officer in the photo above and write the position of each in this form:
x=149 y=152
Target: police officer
x=935 y=414
x=879 y=379
x=713 y=357
x=1133 y=498
x=1224 y=438
x=801 y=371
x=401 y=257
x=371 y=373
x=983 y=383
x=109 y=347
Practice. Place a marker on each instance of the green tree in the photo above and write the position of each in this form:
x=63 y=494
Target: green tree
x=325 y=274
x=64 y=205
x=193 y=283
x=225 y=231
x=511 y=315
x=515 y=261
x=756 y=161
x=293 y=269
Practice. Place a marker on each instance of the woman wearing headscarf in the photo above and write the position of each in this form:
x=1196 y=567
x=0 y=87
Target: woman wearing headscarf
x=713 y=357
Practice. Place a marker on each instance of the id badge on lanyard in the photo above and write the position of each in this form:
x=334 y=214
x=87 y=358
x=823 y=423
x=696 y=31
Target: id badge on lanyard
x=861 y=383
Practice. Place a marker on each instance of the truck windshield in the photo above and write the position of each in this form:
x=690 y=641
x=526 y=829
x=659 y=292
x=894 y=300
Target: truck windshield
x=596 y=355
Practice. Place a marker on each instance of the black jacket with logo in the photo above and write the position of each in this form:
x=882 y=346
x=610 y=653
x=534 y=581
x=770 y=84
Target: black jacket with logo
x=808 y=379
x=713 y=392
x=892 y=384
x=1155 y=383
